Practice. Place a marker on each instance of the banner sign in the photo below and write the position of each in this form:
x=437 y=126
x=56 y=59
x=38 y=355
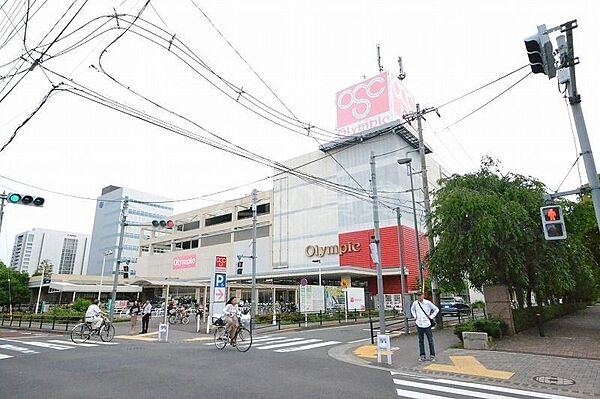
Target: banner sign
x=184 y=262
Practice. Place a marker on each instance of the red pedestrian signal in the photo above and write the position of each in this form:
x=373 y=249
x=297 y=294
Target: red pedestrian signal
x=553 y=223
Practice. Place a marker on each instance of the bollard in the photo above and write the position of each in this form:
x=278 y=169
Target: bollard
x=484 y=315
x=30 y=320
x=355 y=315
x=2 y=318
x=339 y=317
x=279 y=323
x=53 y=322
x=20 y=319
x=458 y=316
x=472 y=314
x=41 y=322
x=540 y=324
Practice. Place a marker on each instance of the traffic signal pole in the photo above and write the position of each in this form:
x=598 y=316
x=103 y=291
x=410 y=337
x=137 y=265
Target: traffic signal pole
x=118 y=259
x=380 y=293
x=2 y=200
x=254 y=295
x=584 y=141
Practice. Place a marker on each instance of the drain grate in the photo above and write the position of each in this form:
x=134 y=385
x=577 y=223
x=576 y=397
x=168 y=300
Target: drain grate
x=546 y=379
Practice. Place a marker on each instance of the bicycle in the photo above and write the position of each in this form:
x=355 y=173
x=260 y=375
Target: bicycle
x=83 y=331
x=180 y=316
x=242 y=338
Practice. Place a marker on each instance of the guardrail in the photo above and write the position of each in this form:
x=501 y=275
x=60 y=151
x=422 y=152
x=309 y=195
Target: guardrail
x=39 y=322
x=310 y=319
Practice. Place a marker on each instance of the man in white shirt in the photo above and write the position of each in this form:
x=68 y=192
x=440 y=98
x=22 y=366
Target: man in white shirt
x=424 y=312
x=94 y=315
x=146 y=312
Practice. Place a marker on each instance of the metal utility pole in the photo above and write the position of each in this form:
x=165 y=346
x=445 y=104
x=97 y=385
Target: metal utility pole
x=575 y=102
x=427 y=205
x=2 y=201
x=254 y=295
x=402 y=278
x=37 y=303
x=118 y=259
x=377 y=258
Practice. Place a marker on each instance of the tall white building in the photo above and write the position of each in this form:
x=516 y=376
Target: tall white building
x=142 y=208
x=67 y=251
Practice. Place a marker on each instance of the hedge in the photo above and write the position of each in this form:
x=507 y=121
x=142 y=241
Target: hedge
x=493 y=327
x=526 y=318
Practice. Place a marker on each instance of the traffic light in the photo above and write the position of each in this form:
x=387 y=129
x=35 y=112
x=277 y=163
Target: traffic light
x=168 y=224
x=240 y=267
x=126 y=270
x=540 y=53
x=553 y=223
x=27 y=199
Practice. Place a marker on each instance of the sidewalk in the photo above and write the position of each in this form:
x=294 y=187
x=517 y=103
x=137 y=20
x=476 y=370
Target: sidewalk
x=568 y=353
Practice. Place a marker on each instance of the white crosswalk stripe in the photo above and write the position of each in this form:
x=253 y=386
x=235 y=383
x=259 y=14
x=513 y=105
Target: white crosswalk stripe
x=282 y=344
x=24 y=346
x=417 y=387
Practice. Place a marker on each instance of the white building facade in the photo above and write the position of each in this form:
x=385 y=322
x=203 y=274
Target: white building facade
x=68 y=252
x=143 y=208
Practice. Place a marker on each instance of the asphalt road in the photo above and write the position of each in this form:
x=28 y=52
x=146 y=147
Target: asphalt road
x=279 y=365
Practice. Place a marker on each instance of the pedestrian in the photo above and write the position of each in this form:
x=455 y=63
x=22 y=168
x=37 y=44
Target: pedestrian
x=134 y=312
x=146 y=316
x=424 y=312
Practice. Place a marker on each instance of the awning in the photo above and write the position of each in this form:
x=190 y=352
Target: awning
x=70 y=287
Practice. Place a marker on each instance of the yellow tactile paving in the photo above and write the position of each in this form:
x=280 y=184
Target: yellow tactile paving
x=368 y=352
x=148 y=337
x=470 y=366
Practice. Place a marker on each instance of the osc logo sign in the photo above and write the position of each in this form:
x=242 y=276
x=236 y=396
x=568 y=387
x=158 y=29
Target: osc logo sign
x=364 y=100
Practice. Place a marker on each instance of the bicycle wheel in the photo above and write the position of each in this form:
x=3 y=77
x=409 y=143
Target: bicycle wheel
x=172 y=319
x=221 y=338
x=107 y=332
x=243 y=340
x=80 y=333
x=185 y=320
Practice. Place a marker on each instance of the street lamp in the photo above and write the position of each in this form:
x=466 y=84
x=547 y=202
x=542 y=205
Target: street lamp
x=106 y=253
x=319 y=262
x=407 y=162
x=37 y=303
x=9 y=299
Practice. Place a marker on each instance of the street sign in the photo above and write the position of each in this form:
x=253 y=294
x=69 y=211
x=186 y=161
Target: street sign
x=220 y=295
x=220 y=280
x=221 y=262
x=384 y=347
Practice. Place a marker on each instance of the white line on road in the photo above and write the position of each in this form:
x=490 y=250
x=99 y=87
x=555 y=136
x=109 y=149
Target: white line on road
x=4 y=356
x=431 y=387
x=418 y=395
x=279 y=345
x=276 y=341
x=358 y=340
x=306 y=347
x=15 y=348
x=43 y=345
x=57 y=341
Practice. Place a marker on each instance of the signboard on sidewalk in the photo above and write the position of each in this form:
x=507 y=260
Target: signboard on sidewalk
x=311 y=298
x=356 y=298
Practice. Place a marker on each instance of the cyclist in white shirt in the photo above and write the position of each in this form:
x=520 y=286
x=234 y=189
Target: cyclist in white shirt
x=93 y=315
x=230 y=312
x=424 y=311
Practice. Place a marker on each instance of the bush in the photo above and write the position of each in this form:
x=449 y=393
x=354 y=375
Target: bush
x=526 y=318
x=495 y=328
x=81 y=305
x=478 y=305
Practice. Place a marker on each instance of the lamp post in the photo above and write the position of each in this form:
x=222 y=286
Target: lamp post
x=319 y=262
x=106 y=253
x=9 y=299
x=407 y=162
x=37 y=303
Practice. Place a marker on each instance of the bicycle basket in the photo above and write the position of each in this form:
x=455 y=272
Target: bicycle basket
x=218 y=322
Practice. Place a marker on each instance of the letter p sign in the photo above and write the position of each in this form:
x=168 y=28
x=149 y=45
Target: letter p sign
x=220 y=280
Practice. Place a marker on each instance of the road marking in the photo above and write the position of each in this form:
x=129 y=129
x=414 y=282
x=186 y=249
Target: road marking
x=4 y=356
x=259 y=340
x=198 y=339
x=44 y=345
x=418 y=395
x=136 y=338
x=498 y=389
x=282 y=345
x=358 y=340
x=105 y=343
x=445 y=389
x=57 y=341
x=306 y=347
x=15 y=348
x=276 y=341
x=470 y=366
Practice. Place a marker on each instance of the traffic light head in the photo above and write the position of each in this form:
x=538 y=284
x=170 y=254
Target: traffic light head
x=553 y=223
x=168 y=224
x=240 y=268
x=15 y=198
x=540 y=53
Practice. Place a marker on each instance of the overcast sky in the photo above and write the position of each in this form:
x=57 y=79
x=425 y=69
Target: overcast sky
x=305 y=51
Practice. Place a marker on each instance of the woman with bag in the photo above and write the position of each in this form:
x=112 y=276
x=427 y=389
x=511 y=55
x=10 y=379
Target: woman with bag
x=424 y=312
x=134 y=312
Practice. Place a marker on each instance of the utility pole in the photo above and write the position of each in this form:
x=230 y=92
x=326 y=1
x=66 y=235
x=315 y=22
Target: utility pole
x=377 y=257
x=575 y=101
x=379 y=59
x=118 y=259
x=254 y=295
x=2 y=201
x=402 y=278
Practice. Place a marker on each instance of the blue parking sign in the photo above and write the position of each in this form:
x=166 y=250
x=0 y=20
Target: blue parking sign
x=220 y=280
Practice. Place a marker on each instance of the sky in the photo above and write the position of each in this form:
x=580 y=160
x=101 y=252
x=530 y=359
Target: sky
x=305 y=51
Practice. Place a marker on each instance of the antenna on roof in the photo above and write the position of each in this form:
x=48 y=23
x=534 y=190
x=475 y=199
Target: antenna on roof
x=379 y=58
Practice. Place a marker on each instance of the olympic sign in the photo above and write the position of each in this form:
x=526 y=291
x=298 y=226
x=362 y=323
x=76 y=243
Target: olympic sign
x=184 y=262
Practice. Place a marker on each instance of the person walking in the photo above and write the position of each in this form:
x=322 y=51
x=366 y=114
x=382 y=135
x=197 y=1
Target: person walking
x=146 y=311
x=134 y=312
x=424 y=312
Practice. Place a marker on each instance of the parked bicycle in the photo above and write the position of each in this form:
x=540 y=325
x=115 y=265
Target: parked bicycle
x=180 y=316
x=84 y=331
x=242 y=337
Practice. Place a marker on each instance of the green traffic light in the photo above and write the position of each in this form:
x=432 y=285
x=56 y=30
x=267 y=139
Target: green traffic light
x=14 y=198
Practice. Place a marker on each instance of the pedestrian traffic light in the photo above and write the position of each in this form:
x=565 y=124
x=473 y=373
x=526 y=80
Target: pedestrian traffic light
x=540 y=53
x=26 y=199
x=126 y=270
x=240 y=267
x=168 y=224
x=553 y=223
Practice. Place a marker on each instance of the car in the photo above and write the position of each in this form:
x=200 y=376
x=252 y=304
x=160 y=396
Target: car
x=452 y=306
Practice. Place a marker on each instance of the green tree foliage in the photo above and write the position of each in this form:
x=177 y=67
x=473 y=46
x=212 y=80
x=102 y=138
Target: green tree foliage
x=488 y=231
x=45 y=264
x=19 y=290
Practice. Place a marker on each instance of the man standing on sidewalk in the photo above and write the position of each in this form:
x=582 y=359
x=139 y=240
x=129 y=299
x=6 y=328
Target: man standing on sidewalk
x=146 y=316
x=424 y=312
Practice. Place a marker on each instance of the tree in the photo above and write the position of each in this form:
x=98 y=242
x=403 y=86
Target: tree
x=488 y=231
x=47 y=265
x=19 y=289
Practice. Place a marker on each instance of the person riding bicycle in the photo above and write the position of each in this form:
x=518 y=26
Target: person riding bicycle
x=230 y=312
x=93 y=315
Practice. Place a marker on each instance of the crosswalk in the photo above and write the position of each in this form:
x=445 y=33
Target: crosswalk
x=416 y=387
x=11 y=347
x=282 y=344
